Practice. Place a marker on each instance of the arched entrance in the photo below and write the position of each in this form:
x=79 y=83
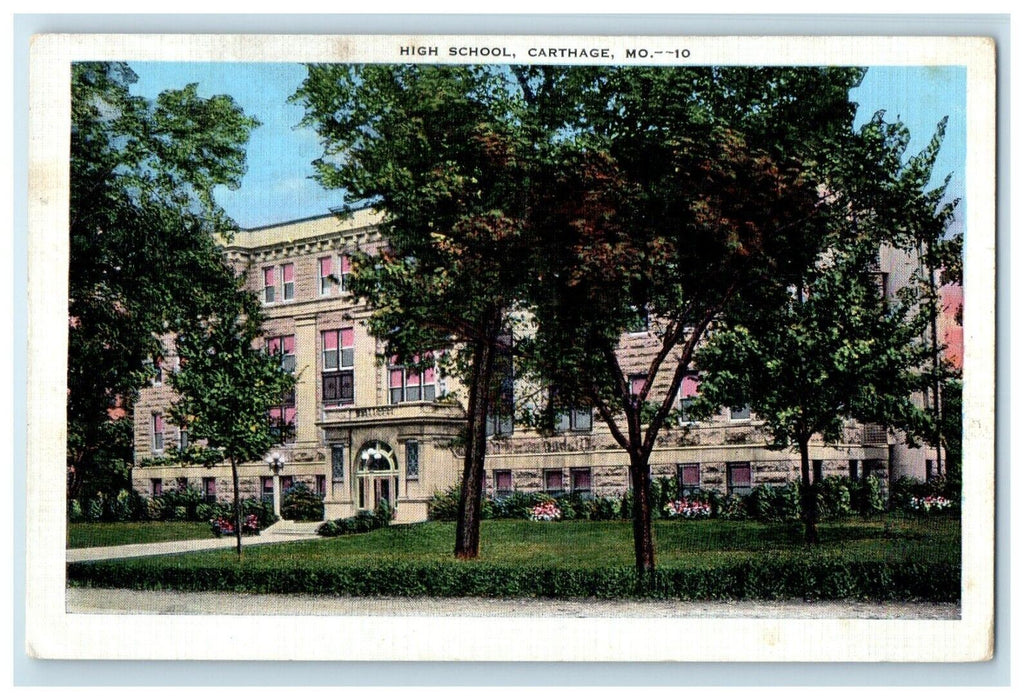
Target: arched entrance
x=377 y=474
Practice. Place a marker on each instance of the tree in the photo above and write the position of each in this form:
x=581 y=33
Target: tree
x=441 y=151
x=143 y=260
x=227 y=385
x=835 y=348
x=683 y=191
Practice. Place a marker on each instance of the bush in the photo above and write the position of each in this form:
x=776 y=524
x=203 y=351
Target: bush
x=75 y=514
x=516 y=505
x=763 y=578
x=833 y=498
x=773 y=504
x=730 y=507
x=95 y=509
x=363 y=522
x=905 y=489
x=444 y=504
x=301 y=503
x=181 y=504
x=867 y=495
x=153 y=508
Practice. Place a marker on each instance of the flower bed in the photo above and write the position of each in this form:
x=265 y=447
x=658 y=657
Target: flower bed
x=545 y=512
x=224 y=526
x=930 y=504
x=687 y=509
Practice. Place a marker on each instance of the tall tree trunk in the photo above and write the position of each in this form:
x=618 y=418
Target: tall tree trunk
x=809 y=507
x=644 y=543
x=467 y=532
x=237 y=510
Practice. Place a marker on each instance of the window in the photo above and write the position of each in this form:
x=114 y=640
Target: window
x=286 y=273
x=553 y=480
x=157 y=431
x=184 y=439
x=155 y=487
x=345 y=273
x=270 y=284
x=210 y=489
x=740 y=413
x=500 y=426
x=817 y=470
x=853 y=469
x=320 y=484
x=159 y=373
x=411 y=385
x=503 y=482
x=337 y=460
x=325 y=276
x=636 y=384
x=283 y=345
x=580 y=478
x=929 y=469
x=501 y=399
x=739 y=478
x=690 y=478
x=267 y=488
x=338 y=367
x=688 y=396
x=285 y=483
x=182 y=483
x=411 y=459
x=575 y=419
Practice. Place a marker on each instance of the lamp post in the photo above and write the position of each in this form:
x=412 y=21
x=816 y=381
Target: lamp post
x=275 y=463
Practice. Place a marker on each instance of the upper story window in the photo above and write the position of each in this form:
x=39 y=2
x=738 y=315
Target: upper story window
x=325 y=276
x=570 y=417
x=636 y=385
x=283 y=345
x=345 y=273
x=286 y=273
x=740 y=413
x=338 y=366
x=157 y=432
x=411 y=385
x=688 y=396
x=269 y=274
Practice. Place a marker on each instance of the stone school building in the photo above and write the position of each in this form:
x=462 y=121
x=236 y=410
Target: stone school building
x=366 y=430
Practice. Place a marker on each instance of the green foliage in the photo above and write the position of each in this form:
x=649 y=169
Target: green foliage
x=904 y=489
x=866 y=496
x=75 y=512
x=141 y=221
x=301 y=503
x=834 y=498
x=775 y=503
x=364 y=521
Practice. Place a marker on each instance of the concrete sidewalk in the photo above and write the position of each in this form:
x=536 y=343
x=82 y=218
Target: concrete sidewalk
x=126 y=551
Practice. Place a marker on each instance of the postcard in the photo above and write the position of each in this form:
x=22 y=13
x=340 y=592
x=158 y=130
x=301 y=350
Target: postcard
x=563 y=348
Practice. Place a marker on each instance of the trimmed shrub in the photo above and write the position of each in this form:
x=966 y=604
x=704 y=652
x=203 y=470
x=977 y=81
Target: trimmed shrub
x=301 y=503
x=75 y=513
x=764 y=578
x=444 y=504
x=775 y=503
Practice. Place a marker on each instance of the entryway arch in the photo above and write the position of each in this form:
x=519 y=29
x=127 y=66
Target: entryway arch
x=377 y=474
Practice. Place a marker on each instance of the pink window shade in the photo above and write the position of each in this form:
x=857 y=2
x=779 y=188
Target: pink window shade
x=289 y=415
x=429 y=376
x=326 y=266
x=159 y=423
x=288 y=272
x=581 y=478
x=690 y=475
x=503 y=481
x=413 y=379
x=273 y=346
x=689 y=386
x=347 y=338
x=270 y=277
x=740 y=475
x=329 y=340
x=636 y=385
x=553 y=480
x=209 y=487
x=397 y=378
x=345 y=265
x=288 y=344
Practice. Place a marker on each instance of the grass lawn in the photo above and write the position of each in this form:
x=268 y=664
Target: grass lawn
x=890 y=556
x=109 y=534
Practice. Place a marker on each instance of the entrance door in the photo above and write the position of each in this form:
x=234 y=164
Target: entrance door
x=377 y=475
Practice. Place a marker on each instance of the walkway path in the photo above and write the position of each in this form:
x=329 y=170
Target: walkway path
x=125 y=551
x=108 y=601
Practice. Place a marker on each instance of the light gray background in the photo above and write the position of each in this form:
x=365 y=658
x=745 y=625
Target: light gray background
x=32 y=672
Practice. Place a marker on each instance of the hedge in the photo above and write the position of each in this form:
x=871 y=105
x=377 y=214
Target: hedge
x=764 y=578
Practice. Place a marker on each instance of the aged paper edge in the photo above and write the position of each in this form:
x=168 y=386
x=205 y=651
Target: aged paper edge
x=52 y=633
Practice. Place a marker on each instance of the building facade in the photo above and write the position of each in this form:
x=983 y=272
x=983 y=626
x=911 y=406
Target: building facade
x=365 y=429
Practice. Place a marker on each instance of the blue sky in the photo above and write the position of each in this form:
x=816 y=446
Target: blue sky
x=278 y=185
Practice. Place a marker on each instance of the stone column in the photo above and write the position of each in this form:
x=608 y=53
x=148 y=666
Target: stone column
x=307 y=348
x=276 y=492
